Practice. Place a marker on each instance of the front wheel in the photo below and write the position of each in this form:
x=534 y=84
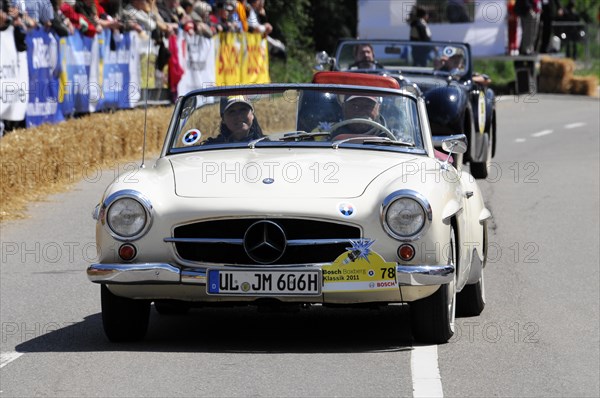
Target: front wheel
x=123 y=319
x=479 y=170
x=433 y=317
x=471 y=300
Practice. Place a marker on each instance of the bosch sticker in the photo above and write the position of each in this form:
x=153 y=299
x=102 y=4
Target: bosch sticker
x=367 y=273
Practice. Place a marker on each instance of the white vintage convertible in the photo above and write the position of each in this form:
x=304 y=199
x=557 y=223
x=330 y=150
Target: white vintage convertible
x=326 y=193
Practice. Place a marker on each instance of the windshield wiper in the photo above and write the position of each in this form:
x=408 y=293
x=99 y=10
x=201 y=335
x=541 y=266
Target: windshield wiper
x=301 y=135
x=372 y=140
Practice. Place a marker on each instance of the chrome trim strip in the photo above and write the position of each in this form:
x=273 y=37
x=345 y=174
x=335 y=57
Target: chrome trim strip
x=205 y=240
x=294 y=242
x=424 y=275
x=145 y=273
x=315 y=242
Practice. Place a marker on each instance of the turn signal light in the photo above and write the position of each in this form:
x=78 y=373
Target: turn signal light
x=406 y=252
x=127 y=251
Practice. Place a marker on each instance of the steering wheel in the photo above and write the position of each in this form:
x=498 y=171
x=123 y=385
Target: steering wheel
x=370 y=122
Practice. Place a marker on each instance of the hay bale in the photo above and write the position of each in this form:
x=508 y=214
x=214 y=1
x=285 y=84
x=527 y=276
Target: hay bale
x=555 y=75
x=47 y=159
x=583 y=85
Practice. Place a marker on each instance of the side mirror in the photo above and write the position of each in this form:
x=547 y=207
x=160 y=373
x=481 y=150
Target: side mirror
x=324 y=60
x=452 y=144
x=455 y=143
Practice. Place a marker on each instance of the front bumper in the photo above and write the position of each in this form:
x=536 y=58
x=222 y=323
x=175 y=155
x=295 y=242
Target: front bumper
x=167 y=274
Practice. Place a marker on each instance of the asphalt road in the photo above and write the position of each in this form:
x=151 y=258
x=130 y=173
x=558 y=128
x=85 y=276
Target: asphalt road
x=538 y=336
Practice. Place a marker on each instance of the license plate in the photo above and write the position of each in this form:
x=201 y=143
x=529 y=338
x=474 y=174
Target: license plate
x=264 y=283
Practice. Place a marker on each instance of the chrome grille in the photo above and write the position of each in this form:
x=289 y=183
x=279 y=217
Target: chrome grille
x=223 y=241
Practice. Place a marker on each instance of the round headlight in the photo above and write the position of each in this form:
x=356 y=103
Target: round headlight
x=405 y=217
x=126 y=217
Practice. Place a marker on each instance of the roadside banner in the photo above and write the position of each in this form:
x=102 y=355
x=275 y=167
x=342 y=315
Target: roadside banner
x=229 y=59
x=14 y=78
x=42 y=59
x=255 y=64
x=78 y=58
x=197 y=56
x=64 y=99
x=115 y=56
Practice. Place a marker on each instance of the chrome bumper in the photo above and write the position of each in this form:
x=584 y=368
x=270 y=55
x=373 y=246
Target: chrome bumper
x=161 y=273
x=424 y=275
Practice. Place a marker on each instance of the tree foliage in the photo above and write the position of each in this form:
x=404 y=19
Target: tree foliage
x=308 y=26
x=332 y=20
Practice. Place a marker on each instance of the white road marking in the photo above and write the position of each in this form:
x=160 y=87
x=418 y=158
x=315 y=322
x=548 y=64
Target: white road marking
x=519 y=140
x=574 y=125
x=8 y=357
x=426 y=378
x=542 y=133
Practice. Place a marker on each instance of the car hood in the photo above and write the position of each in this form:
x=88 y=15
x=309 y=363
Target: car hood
x=281 y=172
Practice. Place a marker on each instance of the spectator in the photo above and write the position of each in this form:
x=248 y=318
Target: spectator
x=550 y=10
x=79 y=21
x=111 y=7
x=168 y=10
x=40 y=11
x=105 y=20
x=88 y=9
x=419 y=31
x=254 y=25
x=5 y=18
x=166 y=29
x=138 y=11
x=276 y=46
x=572 y=34
x=529 y=14
x=10 y=15
x=513 y=22
x=61 y=24
x=225 y=21
x=187 y=6
x=456 y=11
x=240 y=7
x=201 y=20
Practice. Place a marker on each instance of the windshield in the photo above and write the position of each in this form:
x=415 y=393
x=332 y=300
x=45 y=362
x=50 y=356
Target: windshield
x=269 y=115
x=407 y=57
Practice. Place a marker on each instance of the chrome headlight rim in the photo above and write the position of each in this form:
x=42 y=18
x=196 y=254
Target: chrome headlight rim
x=417 y=197
x=131 y=194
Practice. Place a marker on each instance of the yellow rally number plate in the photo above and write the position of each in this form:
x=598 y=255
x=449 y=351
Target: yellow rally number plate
x=359 y=275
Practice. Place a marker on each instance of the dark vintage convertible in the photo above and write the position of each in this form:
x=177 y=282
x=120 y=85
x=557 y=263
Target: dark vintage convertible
x=458 y=99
